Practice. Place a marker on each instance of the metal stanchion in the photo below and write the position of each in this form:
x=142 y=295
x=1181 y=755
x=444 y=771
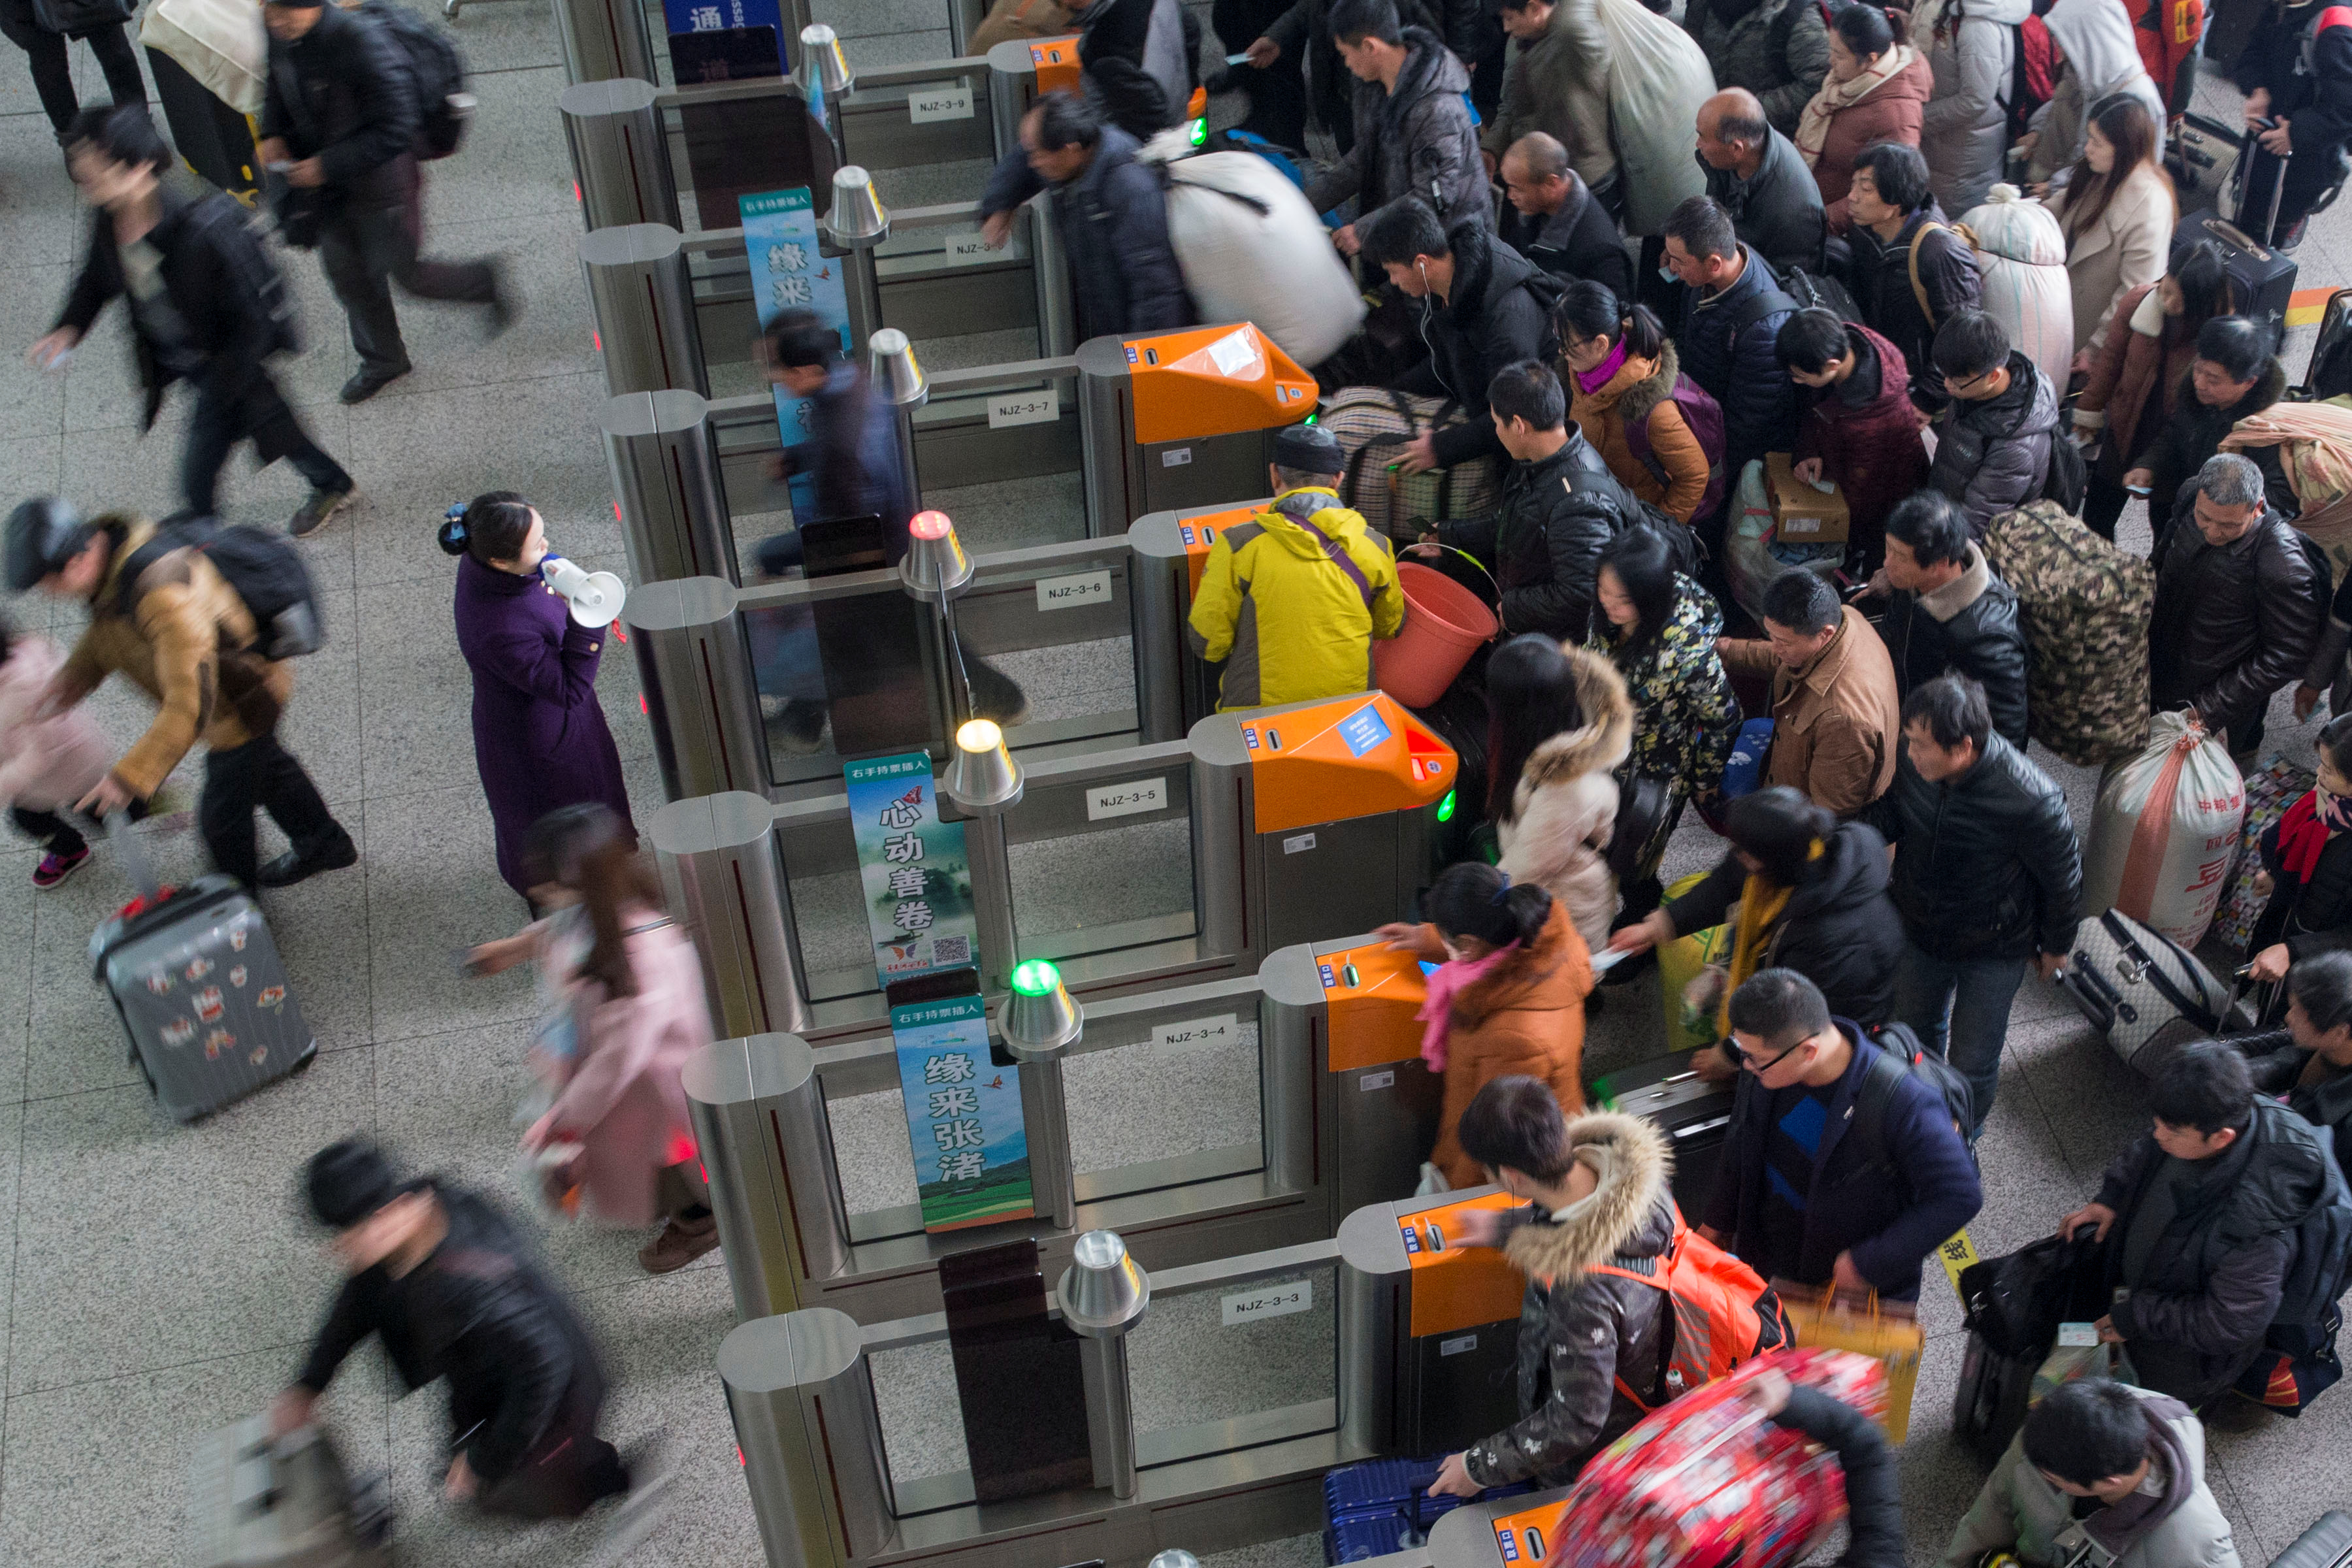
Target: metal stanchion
x=603 y=39
x=821 y=1491
x=825 y=79
x=760 y=1123
x=856 y=224
x=1102 y=1296
x=695 y=669
x=642 y=297
x=724 y=878
x=663 y=456
x=620 y=158
x=897 y=379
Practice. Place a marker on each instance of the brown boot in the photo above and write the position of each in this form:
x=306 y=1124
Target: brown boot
x=681 y=1241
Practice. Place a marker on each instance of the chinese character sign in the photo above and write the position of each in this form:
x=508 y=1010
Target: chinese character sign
x=963 y=1116
x=915 y=878
x=787 y=274
x=719 y=15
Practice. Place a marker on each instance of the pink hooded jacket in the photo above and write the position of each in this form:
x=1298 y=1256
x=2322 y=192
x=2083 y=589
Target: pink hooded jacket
x=623 y=1101
x=57 y=761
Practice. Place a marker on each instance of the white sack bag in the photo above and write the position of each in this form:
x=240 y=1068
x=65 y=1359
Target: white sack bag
x=221 y=43
x=2164 y=830
x=1658 y=77
x=1252 y=249
x=2021 y=257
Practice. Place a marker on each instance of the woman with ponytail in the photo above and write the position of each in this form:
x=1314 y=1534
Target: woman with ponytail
x=1508 y=995
x=1661 y=434
x=539 y=737
x=1804 y=892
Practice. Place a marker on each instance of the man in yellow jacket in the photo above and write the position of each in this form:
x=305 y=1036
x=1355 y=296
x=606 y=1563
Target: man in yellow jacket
x=1291 y=600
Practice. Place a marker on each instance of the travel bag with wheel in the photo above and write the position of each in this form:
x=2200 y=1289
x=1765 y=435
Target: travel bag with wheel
x=2268 y=795
x=2327 y=1545
x=2013 y=1305
x=2151 y=996
x=2329 y=372
x=1694 y=1114
x=2084 y=605
x=1373 y=425
x=2263 y=277
x=259 y=1501
x=200 y=988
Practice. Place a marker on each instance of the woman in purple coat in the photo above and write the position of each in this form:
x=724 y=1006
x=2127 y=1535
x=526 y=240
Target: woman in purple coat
x=539 y=737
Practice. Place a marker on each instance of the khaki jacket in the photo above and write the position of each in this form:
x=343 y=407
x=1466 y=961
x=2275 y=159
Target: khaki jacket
x=1836 y=722
x=184 y=643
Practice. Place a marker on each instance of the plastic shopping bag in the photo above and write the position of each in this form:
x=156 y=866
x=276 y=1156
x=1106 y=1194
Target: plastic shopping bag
x=2079 y=1354
x=1886 y=1332
x=1657 y=79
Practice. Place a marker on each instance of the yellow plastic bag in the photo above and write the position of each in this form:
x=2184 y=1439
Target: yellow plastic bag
x=1679 y=962
x=1886 y=1332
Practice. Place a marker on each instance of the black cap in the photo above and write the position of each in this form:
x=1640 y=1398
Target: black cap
x=349 y=1181
x=1308 y=449
x=42 y=534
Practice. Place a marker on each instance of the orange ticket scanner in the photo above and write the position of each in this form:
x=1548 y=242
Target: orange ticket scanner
x=1182 y=419
x=1429 y=1356
x=1508 y=1533
x=1314 y=818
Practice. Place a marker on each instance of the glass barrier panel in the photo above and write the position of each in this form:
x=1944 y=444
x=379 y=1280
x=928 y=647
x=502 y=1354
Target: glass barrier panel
x=840 y=674
x=1101 y=866
x=1210 y=1357
x=1048 y=643
x=878 y=1167
x=821 y=876
x=1179 y=1105
x=922 y=1419
x=1008 y=464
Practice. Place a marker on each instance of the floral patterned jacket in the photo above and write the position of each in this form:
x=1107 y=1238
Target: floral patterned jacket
x=1686 y=717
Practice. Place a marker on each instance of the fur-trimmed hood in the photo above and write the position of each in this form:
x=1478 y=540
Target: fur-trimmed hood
x=1606 y=737
x=1625 y=1216
x=1637 y=400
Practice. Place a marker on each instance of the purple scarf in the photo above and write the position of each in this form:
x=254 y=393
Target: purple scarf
x=1588 y=382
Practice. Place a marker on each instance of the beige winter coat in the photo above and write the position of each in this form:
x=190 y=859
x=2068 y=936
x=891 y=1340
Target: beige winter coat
x=2126 y=246
x=1565 y=806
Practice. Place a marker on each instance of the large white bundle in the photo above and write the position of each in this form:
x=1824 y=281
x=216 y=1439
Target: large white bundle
x=2021 y=254
x=1252 y=249
x=221 y=43
x=1657 y=79
x=2164 y=831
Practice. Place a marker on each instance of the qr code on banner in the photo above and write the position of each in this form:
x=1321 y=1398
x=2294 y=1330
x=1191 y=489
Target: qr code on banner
x=952 y=949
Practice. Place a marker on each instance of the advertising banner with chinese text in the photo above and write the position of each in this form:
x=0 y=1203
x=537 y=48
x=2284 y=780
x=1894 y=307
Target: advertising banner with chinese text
x=787 y=273
x=963 y=1116
x=913 y=872
x=726 y=40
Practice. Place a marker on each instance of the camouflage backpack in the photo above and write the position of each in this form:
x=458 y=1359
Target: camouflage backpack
x=2085 y=607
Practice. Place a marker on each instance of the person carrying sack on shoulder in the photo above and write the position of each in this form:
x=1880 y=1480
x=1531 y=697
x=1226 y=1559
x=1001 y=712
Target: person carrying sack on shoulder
x=1291 y=601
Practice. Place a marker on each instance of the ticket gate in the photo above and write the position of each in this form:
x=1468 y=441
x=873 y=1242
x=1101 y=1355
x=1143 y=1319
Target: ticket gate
x=1345 y=1109
x=801 y=1393
x=1182 y=419
x=1508 y=1533
x=1170 y=550
x=1129 y=868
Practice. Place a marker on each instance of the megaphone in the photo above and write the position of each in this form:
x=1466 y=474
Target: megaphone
x=595 y=597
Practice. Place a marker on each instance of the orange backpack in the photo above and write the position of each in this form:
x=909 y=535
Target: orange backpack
x=1722 y=1313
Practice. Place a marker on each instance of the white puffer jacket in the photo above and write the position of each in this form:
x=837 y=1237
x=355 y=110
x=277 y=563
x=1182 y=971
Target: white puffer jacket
x=1564 y=808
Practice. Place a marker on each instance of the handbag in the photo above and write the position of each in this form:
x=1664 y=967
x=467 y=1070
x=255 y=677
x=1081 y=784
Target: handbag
x=1888 y=1332
x=72 y=18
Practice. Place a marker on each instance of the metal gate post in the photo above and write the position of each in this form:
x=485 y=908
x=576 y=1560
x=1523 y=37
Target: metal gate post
x=820 y=1489
x=642 y=297
x=664 y=456
x=694 y=668
x=856 y=222
x=620 y=156
x=759 y=1122
x=603 y=39
x=724 y=878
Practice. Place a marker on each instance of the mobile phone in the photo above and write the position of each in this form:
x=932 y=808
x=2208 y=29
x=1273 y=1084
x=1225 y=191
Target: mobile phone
x=281 y=167
x=1239 y=60
x=2140 y=490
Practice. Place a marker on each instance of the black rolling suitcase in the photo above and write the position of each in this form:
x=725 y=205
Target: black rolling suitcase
x=2013 y=1305
x=213 y=138
x=2327 y=1545
x=2263 y=277
x=1694 y=1114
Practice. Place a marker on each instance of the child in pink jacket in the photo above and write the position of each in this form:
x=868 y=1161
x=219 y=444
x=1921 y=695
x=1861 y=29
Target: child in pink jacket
x=638 y=1013
x=47 y=766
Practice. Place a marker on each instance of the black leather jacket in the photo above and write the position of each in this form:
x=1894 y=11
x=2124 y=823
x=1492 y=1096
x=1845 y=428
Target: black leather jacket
x=1499 y=313
x=1968 y=626
x=1986 y=865
x=1543 y=542
x=479 y=1312
x=356 y=110
x=2233 y=623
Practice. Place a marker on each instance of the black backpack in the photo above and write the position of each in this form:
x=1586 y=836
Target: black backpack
x=443 y=102
x=1899 y=1056
x=262 y=567
x=2068 y=477
x=231 y=231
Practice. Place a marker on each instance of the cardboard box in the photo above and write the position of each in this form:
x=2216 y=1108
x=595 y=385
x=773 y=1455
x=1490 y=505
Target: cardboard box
x=1801 y=515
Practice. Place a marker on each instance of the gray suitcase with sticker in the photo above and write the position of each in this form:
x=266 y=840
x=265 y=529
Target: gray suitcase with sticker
x=201 y=990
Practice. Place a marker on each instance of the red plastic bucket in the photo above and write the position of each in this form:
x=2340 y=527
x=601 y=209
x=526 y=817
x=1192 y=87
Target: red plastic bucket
x=1444 y=625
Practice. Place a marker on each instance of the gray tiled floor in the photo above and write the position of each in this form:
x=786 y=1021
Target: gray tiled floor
x=156 y=1281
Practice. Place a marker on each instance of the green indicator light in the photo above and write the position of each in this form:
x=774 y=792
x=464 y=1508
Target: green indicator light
x=1036 y=978
x=1200 y=132
x=1309 y=420
x=1446 y=807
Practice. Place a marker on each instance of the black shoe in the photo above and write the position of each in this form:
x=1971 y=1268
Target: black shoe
x=285 y=870
x=368 y=383
x=506 y=305
x=313 y=513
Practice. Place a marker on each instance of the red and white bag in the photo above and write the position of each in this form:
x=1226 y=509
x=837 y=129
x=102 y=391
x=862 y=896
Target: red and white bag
x=2165 y=831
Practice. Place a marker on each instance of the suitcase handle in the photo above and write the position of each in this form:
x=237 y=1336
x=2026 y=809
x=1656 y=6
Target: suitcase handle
x=1695 y=1128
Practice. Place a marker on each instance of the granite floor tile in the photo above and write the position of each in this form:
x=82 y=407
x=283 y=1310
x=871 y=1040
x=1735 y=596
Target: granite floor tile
x=12 y=1151
x=37 y=209
x=204 y=1250
x=19 y=902
x=514 y=166
x=433 y=891
x=32 y=401
x=498 y=36
x=540 y=251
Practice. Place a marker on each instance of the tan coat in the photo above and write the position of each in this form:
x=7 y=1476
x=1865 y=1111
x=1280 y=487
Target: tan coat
x=182 y=645
x=1836 y=722
x=1643 y=389
x=1525 y=1016
x=2125 y=248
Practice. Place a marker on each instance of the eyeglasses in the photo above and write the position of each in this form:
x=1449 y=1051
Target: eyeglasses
x=1748 y=1059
